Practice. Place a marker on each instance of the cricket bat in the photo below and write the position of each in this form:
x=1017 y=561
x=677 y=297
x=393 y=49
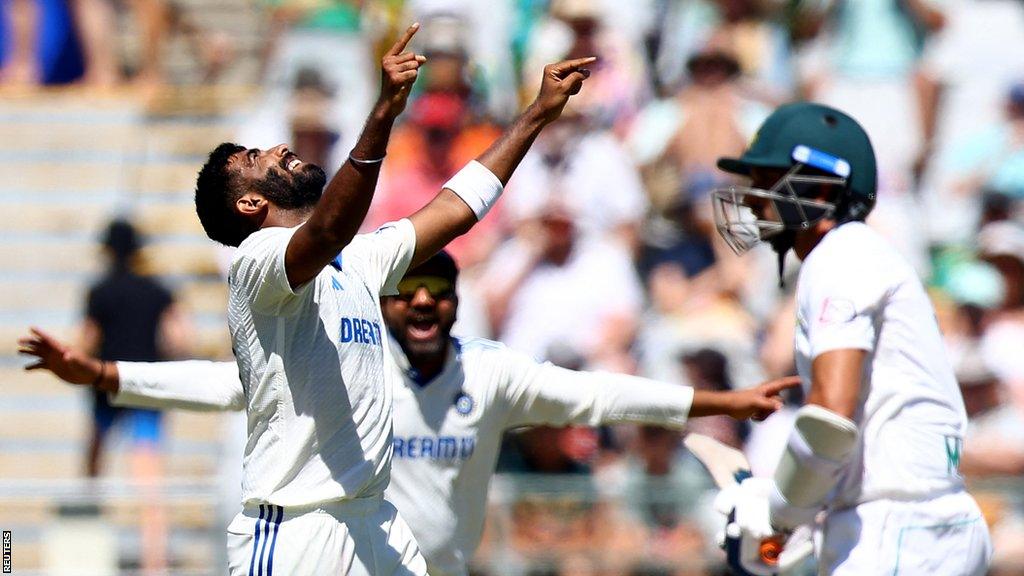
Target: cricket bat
x=726 y=464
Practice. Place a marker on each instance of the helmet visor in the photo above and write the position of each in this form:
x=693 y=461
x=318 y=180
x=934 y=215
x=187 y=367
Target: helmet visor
x=746 y=215
x=736 y=221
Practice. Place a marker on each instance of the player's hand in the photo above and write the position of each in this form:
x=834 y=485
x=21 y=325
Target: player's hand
x=561 y=80
x=749 y=502
x=399 y=70
x=751 y=544
x=66 y=363
x=762 y=400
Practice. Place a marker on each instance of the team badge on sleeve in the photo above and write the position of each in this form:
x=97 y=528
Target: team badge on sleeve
x=464 y=403
x=836 y=311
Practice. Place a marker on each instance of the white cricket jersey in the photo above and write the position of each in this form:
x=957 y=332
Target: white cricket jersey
x=856 y=292
x=311 y=362
x=447 y=431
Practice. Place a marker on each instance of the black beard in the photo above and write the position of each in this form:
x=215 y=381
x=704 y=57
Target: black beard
x=303 y=191
x=423 y=349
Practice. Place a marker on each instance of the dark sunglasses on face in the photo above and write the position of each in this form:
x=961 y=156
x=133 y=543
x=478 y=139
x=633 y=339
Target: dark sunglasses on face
x=436 y=286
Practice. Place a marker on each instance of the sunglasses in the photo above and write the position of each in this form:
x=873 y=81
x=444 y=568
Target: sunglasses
x=437 y=287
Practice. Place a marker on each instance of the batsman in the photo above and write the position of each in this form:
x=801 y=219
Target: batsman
x=872 y=460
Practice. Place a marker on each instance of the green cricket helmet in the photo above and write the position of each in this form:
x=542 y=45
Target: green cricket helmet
x=815 y=145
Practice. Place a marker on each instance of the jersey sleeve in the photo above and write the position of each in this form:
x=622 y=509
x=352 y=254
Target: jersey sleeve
x=541 y=393
x=258 y=272
x=841 y=306
x=382 y=257
x=189 y=385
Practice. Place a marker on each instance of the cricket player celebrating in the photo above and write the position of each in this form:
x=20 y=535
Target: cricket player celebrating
x=454 y=399
x=878 y=444
x=306 y=328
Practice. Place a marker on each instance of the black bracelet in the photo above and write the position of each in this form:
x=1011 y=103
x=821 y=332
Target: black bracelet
x=103 y=372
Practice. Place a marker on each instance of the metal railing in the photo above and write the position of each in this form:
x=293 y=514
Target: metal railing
x=537 y=525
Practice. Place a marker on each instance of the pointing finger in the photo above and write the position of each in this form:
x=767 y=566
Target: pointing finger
x=775 y=386
x=400 y=45
x=565 y=66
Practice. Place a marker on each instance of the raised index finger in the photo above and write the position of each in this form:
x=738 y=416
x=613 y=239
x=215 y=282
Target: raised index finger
x=570 y=65
x=400 y=45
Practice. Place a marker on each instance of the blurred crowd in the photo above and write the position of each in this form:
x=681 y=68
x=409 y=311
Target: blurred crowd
x=603 y=253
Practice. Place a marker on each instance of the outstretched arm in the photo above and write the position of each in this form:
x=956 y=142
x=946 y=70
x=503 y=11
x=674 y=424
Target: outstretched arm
x=346 y=199
x=453 y=212
x=190 y=385
x=547 y=394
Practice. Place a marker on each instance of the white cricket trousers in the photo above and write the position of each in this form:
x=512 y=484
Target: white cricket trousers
x=357 y=537
x=944 y=536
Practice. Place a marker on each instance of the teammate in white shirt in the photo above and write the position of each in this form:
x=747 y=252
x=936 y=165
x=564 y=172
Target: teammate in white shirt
x=878 y=445
x=306 y=328
x=456 y=398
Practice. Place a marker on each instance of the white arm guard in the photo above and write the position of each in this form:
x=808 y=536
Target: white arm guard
x=478 y=187
x=810 y=467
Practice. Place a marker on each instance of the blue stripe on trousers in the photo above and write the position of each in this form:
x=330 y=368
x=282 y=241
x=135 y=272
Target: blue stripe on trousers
x=256 y=544
x=266 y=536
x=273 y=542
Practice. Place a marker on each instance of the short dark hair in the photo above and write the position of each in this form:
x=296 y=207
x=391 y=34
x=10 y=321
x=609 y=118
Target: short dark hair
x=216 y=195
x=121 y=239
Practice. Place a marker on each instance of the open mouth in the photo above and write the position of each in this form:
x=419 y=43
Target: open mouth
x=423 y=329
x=291 y=162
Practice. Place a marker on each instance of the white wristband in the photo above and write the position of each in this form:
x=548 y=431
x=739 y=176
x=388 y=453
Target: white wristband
x=478 y=187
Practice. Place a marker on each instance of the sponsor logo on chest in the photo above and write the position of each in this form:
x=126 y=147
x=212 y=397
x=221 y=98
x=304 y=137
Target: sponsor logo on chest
x=359 y=331
x=353 y=329
x=456 y=446
x=445 y=448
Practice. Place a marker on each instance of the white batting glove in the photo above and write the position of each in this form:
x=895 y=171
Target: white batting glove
x=753 y=507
